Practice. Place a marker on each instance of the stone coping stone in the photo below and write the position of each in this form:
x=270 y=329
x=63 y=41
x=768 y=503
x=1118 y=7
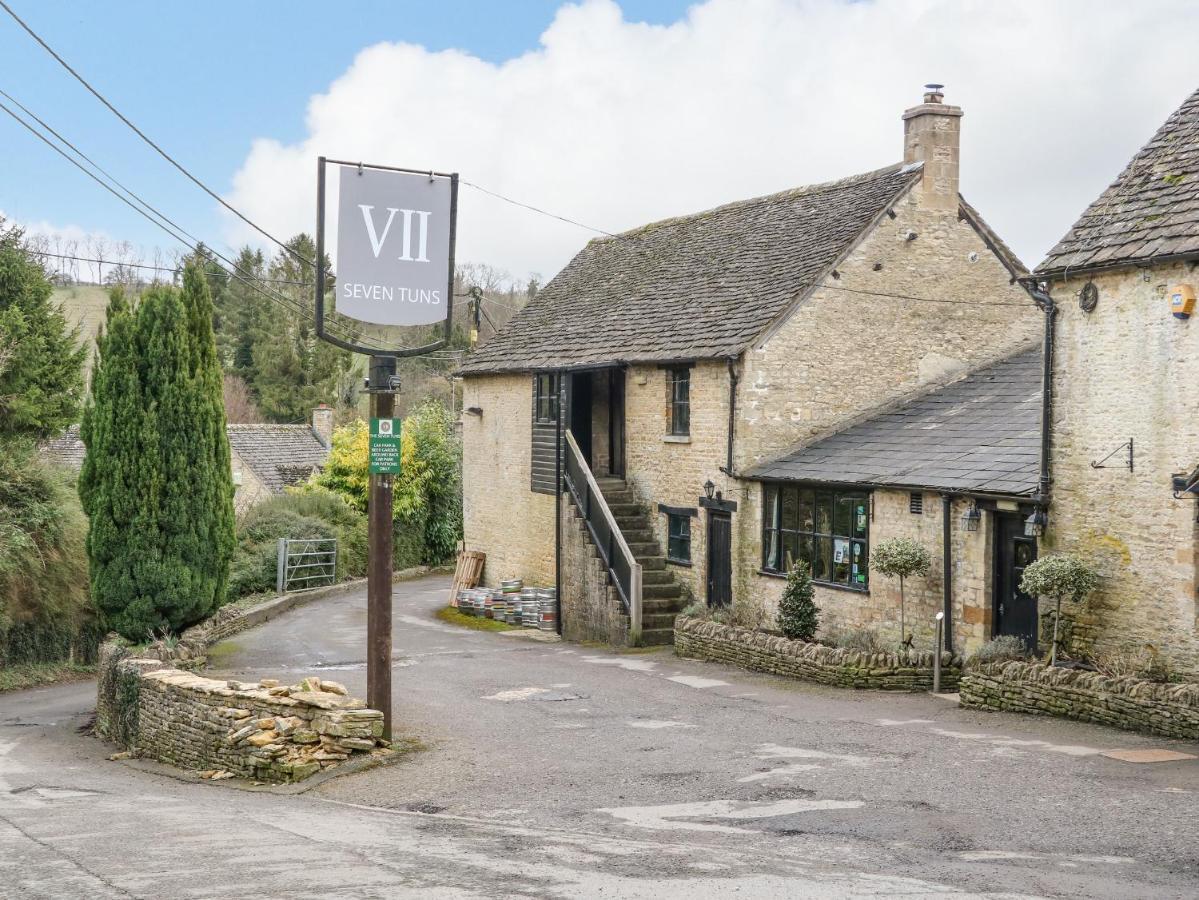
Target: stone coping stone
x=1129 y=703
x=778 y=655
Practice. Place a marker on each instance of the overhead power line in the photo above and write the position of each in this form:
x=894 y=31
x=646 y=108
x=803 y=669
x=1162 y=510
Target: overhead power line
x=527 y=206
x=134 y=265
x=116 y=112
x=162 y=222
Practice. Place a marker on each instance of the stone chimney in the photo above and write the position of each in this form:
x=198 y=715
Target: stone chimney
x=322 y=425
x=931 y=135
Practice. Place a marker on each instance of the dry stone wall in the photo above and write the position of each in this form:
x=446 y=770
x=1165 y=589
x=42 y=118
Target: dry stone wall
x=591 y=609
x=1167 y=709
x=262 y=730
x=778 y=655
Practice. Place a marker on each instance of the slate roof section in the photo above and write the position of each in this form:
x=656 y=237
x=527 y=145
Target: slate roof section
x=1151 y=210
x=695 y=287
x=981 y=435
x=280 y=455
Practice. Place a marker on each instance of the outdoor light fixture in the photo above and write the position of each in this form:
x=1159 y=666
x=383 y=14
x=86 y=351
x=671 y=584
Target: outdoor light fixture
x=972 y=517
x=1034 y=525
x=709 y=488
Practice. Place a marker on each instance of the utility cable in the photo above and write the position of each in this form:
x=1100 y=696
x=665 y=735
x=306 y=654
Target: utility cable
x=116 y=112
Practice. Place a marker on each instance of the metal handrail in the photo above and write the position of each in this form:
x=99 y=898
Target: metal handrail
x=615 y=550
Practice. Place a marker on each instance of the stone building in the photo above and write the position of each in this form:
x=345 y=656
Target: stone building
x=665 y=368
x=265 y=458
x=1125 y=405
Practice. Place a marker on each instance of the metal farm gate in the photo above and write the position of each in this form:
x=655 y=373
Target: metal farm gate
x=305 y=563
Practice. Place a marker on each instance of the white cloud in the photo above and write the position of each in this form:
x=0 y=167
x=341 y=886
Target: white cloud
x=616 y=123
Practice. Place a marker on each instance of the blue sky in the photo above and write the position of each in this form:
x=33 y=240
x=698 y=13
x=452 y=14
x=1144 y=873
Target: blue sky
x=204 y=80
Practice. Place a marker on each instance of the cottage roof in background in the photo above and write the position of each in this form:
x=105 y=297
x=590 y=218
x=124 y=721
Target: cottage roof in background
x=699 y=286
x=981 y=434
x=279 y=455
x=1152 y=209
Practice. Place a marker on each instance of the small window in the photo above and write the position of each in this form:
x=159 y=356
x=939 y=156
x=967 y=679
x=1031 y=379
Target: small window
x=678 y=547
x=678 y=382
x=545 y=399
x=828 y=530
x=916 y=503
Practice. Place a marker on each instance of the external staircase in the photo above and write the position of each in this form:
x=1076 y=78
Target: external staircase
x=662 y=595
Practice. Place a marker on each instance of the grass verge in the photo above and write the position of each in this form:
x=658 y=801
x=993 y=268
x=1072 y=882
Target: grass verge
x=15 y=678
x=451 y=615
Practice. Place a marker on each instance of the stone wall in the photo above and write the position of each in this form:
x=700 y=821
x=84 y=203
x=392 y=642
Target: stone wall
x=778 y=655
x=261 y=730
x=1167 y=709
x=591 y=609
x=1127 y=370
x=249 y=490
x=502 y=516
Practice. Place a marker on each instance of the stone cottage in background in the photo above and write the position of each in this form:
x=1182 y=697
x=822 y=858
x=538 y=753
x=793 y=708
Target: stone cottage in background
x=265 y=458
x=693 y=379
x=1125 y=443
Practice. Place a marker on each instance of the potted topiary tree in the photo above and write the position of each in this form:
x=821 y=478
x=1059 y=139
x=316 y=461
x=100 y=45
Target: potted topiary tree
x=798 y=612
x=1059 y=576
x=900 y=558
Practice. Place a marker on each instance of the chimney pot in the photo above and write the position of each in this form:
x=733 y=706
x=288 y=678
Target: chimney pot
x=933 y=93
x=322 y=425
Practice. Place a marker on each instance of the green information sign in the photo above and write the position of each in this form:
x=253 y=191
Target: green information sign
x=385 y=447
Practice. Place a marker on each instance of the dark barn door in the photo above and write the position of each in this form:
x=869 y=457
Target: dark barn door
x=720 y=558
x=580 y=412
x=616 y=422
x=1015 y=611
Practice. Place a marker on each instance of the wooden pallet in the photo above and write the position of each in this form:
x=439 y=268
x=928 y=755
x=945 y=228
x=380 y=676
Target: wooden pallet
x=467 y=573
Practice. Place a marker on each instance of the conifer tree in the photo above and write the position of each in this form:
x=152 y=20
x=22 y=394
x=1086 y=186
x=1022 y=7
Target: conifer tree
x=798 y=613
x=156 y=481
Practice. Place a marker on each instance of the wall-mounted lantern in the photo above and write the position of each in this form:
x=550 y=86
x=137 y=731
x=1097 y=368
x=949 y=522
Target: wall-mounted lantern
x=709 y=489
x=1034 y=525
x=972 y=517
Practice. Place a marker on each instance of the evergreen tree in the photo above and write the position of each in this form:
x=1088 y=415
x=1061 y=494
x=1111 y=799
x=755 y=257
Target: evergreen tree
x=156 y=481
x=41 y=360
x=798 y=613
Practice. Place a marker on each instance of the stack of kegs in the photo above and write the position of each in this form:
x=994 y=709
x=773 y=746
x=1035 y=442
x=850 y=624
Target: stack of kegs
x=510 y=591
x=512 y=603
x=547 y=602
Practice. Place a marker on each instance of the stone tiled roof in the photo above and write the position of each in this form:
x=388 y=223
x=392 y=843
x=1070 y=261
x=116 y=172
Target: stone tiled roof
x=981 y=434
x=1151 y=210
x=694 y=287
x=279 y=455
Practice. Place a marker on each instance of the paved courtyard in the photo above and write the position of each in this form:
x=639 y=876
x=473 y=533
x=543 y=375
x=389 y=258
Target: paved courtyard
x=558 y=770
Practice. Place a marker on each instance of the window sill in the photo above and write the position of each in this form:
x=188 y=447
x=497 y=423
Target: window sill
x=685 y=563
x=831 y=585
x=676 y=438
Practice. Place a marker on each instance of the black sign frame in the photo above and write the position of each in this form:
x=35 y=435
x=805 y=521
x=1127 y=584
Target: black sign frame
x=321 y=164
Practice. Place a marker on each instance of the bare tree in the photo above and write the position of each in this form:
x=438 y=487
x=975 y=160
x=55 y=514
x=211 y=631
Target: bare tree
x=240 y=407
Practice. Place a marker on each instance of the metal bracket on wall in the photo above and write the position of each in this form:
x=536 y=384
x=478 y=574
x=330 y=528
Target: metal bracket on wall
x=1100 y=464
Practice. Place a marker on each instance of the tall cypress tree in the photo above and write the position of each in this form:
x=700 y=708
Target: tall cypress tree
x=156 y=482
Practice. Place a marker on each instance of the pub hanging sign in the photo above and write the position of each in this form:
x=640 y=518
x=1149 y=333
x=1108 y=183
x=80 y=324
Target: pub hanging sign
x=394 y=250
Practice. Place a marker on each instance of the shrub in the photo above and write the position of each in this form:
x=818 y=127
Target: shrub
x=799 y=615
x=1059 y=577
x=310 y=514
x=427 y=498
x=900 y=558
x=1145 y=664
x=1003 y=648
x=862 y=640
x=45 y=613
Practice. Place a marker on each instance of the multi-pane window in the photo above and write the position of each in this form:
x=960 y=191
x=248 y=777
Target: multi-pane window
x=545 y=399
x=827 y=529
x=678 y=545
x=678 y=381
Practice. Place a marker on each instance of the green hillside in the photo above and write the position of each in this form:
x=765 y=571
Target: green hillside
x=83 y=305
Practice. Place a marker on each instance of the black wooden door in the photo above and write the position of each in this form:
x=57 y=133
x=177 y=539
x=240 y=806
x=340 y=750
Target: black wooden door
x=580 y=412
x=616 y=422
x=1015 y=611
x=720 y=558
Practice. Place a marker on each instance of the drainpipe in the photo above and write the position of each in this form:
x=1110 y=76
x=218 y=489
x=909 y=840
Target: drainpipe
x=733 y=379
x=947 y=566
x=558 y=501
x=1046 y=393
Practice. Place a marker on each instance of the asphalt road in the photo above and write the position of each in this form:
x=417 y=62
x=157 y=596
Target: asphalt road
x=555 y=770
